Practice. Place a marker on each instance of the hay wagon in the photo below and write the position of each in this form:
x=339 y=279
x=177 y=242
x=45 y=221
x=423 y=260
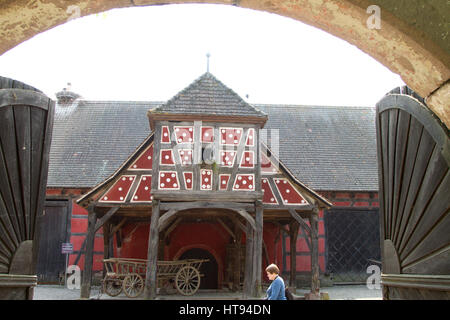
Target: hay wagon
x=128 y=275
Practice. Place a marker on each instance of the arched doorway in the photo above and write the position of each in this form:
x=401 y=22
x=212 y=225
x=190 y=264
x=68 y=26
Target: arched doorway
x=209 y=269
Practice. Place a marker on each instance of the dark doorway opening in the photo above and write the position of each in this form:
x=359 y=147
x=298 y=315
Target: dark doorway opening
x=208 y=269
x=55 y=230
x=352 y=243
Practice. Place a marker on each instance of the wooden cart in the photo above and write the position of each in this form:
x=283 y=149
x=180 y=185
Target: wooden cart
x=127 y=275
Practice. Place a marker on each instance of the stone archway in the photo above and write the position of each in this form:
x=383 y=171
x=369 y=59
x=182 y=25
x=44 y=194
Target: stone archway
x=406 y=42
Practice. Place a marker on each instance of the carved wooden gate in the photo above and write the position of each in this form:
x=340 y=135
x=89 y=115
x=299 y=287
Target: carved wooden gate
x=414 y=184
x=26 y=120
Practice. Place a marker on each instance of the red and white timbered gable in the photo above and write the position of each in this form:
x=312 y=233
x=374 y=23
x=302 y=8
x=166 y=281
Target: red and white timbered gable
x=233 y=168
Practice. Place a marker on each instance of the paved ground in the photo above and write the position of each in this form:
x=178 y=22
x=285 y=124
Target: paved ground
x=348 y=292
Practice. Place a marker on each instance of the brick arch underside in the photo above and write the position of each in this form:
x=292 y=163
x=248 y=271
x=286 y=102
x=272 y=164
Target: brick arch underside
x=421 y=63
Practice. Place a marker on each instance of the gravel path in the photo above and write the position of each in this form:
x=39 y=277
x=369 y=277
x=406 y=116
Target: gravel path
x=348 y=292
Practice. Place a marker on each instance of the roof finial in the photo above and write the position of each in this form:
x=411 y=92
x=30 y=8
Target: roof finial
x=207 y=61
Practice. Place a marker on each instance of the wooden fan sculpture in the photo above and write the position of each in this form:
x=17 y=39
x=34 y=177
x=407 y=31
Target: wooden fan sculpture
x=26 y=120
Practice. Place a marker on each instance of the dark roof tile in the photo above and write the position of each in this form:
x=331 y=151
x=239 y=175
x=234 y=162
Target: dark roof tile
x=327 y=148
x=207 y=95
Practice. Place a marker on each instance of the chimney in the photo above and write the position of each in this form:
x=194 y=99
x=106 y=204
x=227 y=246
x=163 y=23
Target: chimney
x=66 y=96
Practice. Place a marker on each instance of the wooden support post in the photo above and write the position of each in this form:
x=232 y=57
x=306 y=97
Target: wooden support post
x=88 y=255
x=252 y=290
x=237 y=258
x=106 y=244
x=197 y=156
x=275 y=247
x=247 y=292
x=119 y=238
x=257 y=257
x=115 y=231
x=293 y=234
x=152 y=253
x=315 y=283
x=161 y=247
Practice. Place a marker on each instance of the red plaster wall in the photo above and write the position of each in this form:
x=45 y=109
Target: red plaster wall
x=209 y=236
x=134 y=241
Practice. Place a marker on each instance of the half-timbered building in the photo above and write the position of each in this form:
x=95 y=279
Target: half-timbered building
x=98 y=143
x=204 y=165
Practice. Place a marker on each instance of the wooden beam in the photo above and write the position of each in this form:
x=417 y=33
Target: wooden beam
x=152 y=254
x=106 y=244
x=100 y=222
x=161 y=248
x=175 y=147
x=275 y=247
x=172 y=227
x=258 y=247
x=155 y=158
x=154 y=118
x=300 y=220
x=231 y=233
x=237 y=257
x=257 y=153
x=88 y=255
x=248 y=288
x=118 y=226
x=315 y=284
x=266 y=253
x=217 y=158
x=239 y=152
x=119 y=238
x=205 y=196
x=205 y=204
x=196 y=157
x=247 y=217
x=239 y=224
x=192 y=195
x=281 y=227
x=293 y=234
x=165 y=218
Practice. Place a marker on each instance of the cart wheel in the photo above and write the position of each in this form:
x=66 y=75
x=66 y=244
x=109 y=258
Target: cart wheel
x=112 y=287
x=133 y=285
x=187 y=280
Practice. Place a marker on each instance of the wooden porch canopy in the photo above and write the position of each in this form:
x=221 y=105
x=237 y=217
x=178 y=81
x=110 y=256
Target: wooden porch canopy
x=127 y=196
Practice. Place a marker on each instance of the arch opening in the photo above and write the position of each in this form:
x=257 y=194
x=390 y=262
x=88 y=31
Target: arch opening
x=209 y=270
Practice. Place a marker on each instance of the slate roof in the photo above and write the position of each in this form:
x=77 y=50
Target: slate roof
x=327 y=148
x=207 y=95
x=91 y=139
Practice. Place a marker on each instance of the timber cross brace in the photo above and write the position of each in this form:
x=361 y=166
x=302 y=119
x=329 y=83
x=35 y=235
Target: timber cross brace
x=253 y=231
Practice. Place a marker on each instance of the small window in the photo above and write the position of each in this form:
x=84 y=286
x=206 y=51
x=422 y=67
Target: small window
x=208 y=154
